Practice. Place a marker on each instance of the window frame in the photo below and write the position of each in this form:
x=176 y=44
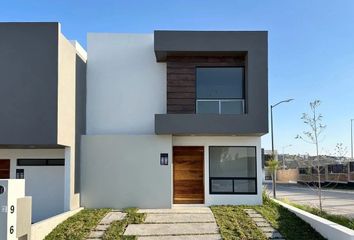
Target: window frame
x=234 y=178
x=47 y=162
x=222 y=99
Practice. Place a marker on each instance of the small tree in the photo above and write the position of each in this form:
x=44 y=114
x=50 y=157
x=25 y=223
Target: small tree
x=273 y=164
x=314 y=122
x=341 y=151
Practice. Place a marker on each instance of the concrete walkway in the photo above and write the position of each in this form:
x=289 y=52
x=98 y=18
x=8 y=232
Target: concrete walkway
x=190 y=223
x=263 y=225
x=99 y=230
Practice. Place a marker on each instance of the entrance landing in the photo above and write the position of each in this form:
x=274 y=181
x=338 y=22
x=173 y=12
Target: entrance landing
x=176 y=223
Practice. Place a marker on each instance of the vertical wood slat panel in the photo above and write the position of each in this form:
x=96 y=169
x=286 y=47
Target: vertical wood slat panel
x=188 y=175
x=4 y=168
x=181 y=82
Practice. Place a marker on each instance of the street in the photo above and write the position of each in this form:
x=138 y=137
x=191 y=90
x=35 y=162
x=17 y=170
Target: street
x=335 y=201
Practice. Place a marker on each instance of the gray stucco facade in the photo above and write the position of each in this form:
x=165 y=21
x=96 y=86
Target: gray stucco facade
x=29 y=79
x=80 y=120
x=253 y=45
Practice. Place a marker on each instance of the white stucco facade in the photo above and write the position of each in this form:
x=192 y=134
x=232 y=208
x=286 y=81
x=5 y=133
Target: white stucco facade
x=207 y=141
x=44 y=183
x=126 y=87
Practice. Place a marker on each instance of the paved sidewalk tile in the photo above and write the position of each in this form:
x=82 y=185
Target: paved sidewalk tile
x=264 y=225
x=171 y=229
x=111 y=217
x=184 y=237
x=177 y=210
x=179 y=218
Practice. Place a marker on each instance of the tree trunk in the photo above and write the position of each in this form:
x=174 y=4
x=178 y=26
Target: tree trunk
x=273 y=185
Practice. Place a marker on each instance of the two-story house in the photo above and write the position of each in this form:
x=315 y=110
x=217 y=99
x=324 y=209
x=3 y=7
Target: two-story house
x=42 y=113
x=174 y=117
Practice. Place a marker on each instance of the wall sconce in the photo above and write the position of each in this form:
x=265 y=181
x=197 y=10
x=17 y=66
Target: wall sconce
x=164 y=159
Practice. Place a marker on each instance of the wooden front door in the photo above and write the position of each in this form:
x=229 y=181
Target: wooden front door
x=4 y=168
x=188 y=175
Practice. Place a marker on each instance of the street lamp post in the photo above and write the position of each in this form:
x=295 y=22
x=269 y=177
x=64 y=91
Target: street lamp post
x=271 y=120
x=351 y=137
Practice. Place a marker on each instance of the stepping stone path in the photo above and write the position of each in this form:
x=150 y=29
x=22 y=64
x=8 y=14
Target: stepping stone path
x=99 y=230
x=264 y=225
x=189 y=223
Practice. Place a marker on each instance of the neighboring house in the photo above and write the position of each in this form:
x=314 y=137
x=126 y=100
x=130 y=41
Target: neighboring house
x=174 y=117
x=42 y=113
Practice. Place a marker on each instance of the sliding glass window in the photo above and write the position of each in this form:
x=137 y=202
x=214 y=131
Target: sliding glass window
x=220 y=90
x=232 y=170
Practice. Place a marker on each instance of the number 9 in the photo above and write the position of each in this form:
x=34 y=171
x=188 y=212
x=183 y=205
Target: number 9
x=12 y=209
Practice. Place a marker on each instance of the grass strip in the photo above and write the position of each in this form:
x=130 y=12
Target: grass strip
x=234 y=223
x=117 y=228
x=286 y=222
x=78 y=226
x=339 y=219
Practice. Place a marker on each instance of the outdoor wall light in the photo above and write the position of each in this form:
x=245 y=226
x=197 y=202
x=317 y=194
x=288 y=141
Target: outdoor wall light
x=164 y=159
x=2 y=189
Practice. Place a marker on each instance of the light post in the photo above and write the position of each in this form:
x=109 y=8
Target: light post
x=284 y=155
x=274 y=167
x=351 y=136
x=271 y=119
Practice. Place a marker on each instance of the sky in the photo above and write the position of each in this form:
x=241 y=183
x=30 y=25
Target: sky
x=311 y=48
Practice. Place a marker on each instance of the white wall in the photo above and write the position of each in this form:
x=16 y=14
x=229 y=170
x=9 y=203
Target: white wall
x=225 y=141
x=125 y=84
x=67 y=115
x=119 y=171
x=44 y=183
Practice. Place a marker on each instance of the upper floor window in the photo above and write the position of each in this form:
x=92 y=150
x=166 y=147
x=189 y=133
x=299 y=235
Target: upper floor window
x=220 y=90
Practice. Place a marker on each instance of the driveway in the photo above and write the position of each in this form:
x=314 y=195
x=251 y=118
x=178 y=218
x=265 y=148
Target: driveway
x=334 y=201
x=190 y=223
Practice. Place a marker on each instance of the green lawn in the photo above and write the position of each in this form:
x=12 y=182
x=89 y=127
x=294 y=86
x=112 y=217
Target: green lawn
x=78 y=226
x=342 y=220
x=116 y=230
x=286 y=222
x=234 y=223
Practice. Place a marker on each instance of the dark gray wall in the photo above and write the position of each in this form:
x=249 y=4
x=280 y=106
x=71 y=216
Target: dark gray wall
x=252 y=44
x=28 y=83
x=80 y=114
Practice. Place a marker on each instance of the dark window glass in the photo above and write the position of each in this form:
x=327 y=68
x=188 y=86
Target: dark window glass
x=56 y=162
x=221 y=185
x=244 y=185
x=352 y=166
x=208 y=107
x=220 y=82
x=303 y=170
x=40 y=162
x=232 y=170
x=231 y=107
x=20 y=174
x=337 y=168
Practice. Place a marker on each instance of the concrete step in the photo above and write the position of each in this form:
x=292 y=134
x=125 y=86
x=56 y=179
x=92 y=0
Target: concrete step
x=171 y=229
x=179 y=218
x=184 y=237
x=177 y=210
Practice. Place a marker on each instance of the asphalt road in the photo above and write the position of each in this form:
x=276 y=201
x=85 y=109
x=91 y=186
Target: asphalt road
x=334 y=201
